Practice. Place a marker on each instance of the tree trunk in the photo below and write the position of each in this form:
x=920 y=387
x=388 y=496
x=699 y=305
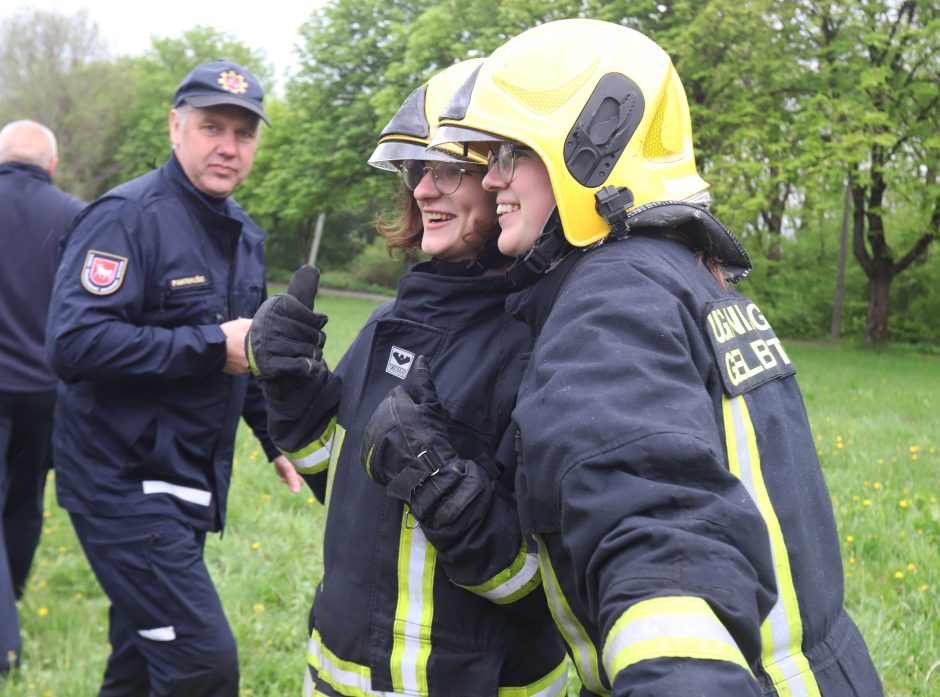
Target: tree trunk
x=876 y=324
x=840 y=272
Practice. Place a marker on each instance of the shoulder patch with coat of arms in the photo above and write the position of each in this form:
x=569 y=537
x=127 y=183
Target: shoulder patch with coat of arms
x=103 y=272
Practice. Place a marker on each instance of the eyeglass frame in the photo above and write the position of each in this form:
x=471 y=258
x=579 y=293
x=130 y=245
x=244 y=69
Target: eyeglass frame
x=433 y=166
x=504 y=158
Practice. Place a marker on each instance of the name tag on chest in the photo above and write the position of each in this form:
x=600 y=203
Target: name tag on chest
x=746 y=348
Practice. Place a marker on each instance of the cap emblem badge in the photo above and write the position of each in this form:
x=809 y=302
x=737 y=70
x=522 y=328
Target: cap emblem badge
x=230 y=81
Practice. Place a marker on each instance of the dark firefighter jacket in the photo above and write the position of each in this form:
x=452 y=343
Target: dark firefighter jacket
x=668 y=468
x=146 y=419
x=406 y=610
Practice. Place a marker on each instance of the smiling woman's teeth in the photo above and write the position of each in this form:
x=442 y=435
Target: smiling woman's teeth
x=440 y=217
x=504 y=208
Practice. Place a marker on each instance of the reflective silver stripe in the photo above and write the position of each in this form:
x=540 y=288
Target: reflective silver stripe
x=682 y=627
x=782 y=631
x=158 y=633
x=315 y=457
x=555 y=684
x=584 y=652
x=515 y=583
x=197 y=496
x=411 y=646
x=343 y=676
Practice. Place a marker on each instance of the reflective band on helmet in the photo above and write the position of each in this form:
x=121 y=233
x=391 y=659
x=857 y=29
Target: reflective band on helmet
x=315 y=457
x=512 y=583
x=676 y=627
x=411 y=643
x=583 y=651
x=782 y=631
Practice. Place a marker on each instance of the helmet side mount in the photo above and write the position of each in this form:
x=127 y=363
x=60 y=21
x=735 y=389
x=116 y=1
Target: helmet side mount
x=602 y=130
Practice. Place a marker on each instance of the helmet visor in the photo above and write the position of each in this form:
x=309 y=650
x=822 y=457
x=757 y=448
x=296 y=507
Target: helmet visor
x=391 y=153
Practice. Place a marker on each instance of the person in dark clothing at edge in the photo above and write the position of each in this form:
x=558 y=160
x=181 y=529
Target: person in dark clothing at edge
x=428 y=590
x=666 y=466
x=147 y=325
x=34 y=216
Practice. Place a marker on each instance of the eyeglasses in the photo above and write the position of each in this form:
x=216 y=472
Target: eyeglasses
x=445 y=175
x=504 y=158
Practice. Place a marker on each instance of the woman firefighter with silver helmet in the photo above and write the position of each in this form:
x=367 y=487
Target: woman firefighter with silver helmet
x=429 y=588
x=666 y=465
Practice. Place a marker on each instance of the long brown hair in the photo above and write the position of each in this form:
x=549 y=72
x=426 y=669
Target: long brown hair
x=401 y=226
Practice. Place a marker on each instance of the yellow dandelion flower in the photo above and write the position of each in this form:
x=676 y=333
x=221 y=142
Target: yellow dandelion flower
x=47 y=693
x=911 y=568
x=46 y=530
x=881 y=460
x=256 y=546
x=257 y=608
x=254 y=455
x=42 y=584
x=61 y=550
x=838 y=438
x=899 y=575
x=43 y=611
x=925 y=587
x=851 y=561
x=914 y=456
x=856 y=497
x=876 y=486
x=839 y=445
x=850 y=538
x=914 y=449
x=46 y=514
x=311 y=500
x=903 y=503
x=866 y=502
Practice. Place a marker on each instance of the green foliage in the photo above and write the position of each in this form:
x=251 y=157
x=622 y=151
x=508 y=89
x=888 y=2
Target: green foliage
x=375 y=266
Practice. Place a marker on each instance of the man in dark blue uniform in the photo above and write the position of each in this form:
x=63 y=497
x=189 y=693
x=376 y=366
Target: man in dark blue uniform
x=34 y=216
x=147 y=330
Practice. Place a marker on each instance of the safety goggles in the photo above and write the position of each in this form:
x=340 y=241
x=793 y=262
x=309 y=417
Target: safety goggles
x=504 y=157
x=445 y=175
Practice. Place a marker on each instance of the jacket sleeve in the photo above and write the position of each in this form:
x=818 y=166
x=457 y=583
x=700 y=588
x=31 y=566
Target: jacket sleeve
x=100 y=335
x=669 y=556
x=484 y=549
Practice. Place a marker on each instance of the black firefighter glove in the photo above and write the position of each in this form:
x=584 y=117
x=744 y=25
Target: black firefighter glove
x=407 y=449
x=285 y=351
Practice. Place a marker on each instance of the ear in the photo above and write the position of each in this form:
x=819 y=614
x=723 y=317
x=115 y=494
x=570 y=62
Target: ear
x=51 y=167
x=176 y=134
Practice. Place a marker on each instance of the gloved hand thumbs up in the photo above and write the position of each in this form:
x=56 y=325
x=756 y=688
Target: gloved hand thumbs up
x=303 y=285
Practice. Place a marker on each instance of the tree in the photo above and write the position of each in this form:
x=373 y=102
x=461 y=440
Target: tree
x=55 y=69
x=880 y=62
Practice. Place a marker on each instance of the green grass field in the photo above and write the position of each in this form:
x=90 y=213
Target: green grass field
x=876 y=424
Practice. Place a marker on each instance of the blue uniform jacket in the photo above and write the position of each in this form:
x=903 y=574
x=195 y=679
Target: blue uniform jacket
x=35 y=216
x=667 y=465
x=146 y=419
x=404 y=609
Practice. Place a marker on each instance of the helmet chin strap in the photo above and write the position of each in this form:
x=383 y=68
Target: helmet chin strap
x=549 y=247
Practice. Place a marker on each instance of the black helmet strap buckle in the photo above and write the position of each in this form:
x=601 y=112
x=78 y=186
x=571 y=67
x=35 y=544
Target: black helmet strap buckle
x=548 y=248
x=612 y=204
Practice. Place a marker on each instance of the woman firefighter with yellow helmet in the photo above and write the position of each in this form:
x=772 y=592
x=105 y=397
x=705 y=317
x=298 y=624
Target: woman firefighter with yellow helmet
x=666 y=466
x=428 y=588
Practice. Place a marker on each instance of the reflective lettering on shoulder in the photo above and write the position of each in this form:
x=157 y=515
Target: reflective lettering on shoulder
x=197 y=280
x=103 y=272
x=745 y=346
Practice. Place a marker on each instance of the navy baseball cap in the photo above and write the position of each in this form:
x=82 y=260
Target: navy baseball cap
x=221 y=82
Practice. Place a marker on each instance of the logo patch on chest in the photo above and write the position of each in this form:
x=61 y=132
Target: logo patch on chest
x=399 y=362
x=746 y=348
x=102 y=272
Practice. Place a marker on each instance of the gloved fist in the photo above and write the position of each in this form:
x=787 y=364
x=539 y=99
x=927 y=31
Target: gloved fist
x=406 y=447
x=286 y=337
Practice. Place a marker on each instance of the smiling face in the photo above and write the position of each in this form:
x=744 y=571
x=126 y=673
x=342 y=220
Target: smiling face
x=524 y=204
x=457 y=225
x=215 y=146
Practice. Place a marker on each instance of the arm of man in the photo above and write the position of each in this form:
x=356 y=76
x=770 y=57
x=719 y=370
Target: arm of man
x=95 y=329
x=255 y=415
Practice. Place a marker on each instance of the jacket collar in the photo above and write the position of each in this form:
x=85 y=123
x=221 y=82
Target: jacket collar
x=218 y=211
x=427 y=295
x=533 y=303
x=25 y=169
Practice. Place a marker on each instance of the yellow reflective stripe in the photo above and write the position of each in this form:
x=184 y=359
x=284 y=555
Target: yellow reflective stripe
x=513 y=582
x=411 y=641
x=584 y=652
x=782 y=631
x=315 y=457
x=675 y=627
x=338 y=440
x=555 y=684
